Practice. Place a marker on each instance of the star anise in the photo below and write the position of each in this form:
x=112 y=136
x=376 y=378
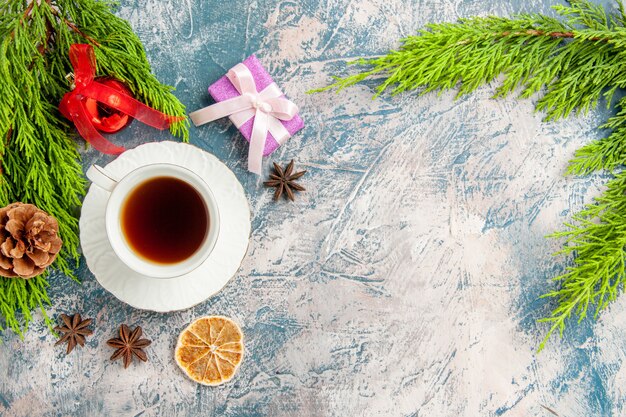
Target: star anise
x=74 y=331
x=285 y=181
x=129 y=344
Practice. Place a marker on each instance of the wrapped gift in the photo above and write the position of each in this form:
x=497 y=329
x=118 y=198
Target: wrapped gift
x=248 y=95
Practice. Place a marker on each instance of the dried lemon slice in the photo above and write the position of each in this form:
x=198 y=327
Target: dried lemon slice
x=210 y=350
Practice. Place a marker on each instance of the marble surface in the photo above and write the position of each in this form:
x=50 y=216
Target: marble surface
x=404 y=282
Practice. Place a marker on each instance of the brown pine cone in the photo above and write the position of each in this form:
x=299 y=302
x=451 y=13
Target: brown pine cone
x=29 y=240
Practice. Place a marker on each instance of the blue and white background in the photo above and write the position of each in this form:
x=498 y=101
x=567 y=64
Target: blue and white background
x=404 y=282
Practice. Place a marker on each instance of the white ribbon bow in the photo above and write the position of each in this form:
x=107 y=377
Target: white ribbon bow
x=268 y=108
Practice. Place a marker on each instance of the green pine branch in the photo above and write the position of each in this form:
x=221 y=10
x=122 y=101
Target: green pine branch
x=573 y=61
x=597 y=238
x=39 y=162
x=608 y=153
x=575 y=64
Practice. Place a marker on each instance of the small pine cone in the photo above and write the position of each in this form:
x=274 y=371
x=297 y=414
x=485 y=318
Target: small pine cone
x=29 y=240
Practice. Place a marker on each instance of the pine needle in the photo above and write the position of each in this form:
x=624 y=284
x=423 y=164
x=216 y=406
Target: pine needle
x=575 y=60
x=39 y=162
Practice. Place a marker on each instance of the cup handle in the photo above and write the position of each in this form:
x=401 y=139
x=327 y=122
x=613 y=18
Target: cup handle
x=102 y=178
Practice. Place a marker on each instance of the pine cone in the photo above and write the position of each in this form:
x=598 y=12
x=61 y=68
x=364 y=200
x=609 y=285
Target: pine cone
x=29 y=240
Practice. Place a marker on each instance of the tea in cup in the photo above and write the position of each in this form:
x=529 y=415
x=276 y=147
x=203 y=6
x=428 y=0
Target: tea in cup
x=162 y=220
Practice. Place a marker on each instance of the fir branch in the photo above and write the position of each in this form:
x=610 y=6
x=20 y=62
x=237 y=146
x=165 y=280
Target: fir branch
x=597 y=237
x=574 y=64
x=608 y=153
x=574 y=60
x=38 y=157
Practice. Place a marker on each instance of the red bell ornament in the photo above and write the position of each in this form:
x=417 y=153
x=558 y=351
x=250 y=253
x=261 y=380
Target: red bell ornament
x=103 y=104
x=103 y=117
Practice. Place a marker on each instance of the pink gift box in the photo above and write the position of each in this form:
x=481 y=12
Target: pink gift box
x=223 y=89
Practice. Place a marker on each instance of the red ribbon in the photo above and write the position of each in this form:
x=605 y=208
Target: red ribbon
x=73 y=103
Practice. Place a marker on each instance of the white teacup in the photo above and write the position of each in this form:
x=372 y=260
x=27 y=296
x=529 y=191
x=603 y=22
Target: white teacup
x=121 y=188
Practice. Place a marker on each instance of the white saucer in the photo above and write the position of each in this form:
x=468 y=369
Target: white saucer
x=182 y=292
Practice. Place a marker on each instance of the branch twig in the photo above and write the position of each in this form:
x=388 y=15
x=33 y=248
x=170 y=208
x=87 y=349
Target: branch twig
x=535 y=32
x=74 y=27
